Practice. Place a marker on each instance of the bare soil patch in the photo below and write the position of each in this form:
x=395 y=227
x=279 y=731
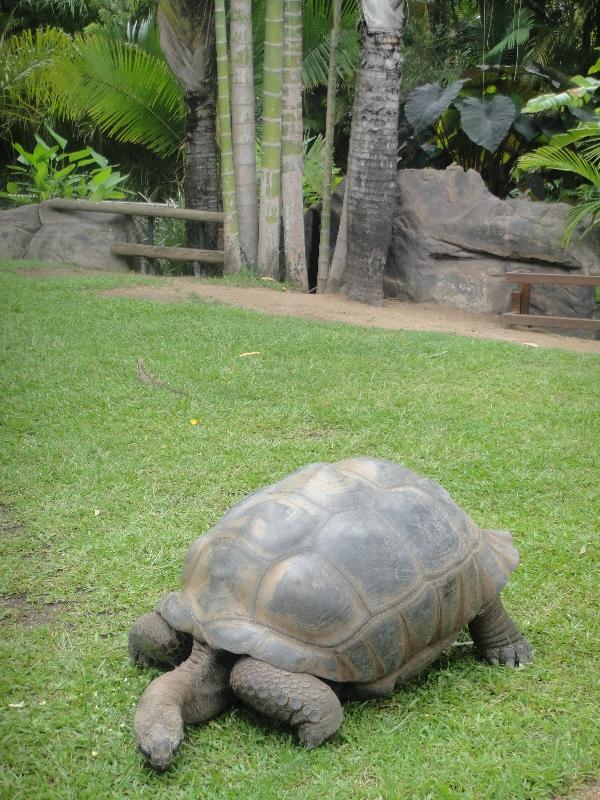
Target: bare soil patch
x=17 y=608
x=393 y=315
x=8 y=527
x=589 y=792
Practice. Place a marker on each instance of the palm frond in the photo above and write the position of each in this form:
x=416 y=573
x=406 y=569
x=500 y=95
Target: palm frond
x=563 y=160
x=130 y=94
x=574 y=96
x=24 y=57
x=317 y=42
x=520 y=29
x=587 y=214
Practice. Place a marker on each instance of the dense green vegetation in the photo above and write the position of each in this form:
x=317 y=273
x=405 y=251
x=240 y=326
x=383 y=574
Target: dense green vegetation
x=95 y=70
x=105 y=482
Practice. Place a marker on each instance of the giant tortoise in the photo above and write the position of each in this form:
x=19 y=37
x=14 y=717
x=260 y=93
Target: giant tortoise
x=342 y=580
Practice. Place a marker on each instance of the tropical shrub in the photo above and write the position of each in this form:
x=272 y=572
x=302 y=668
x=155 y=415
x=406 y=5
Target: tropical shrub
x=476 y=122
x=50 y=171
x=576 y=152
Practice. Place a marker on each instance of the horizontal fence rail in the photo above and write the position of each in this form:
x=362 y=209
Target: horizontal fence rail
x=173 y=253
x=549 y=277
x=149 y=249
x=138 y=209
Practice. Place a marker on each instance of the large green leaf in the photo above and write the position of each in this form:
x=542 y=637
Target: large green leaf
x=425 y=103
x=486 y=120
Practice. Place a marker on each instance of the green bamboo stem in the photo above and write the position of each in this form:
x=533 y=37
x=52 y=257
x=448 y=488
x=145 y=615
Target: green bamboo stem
x=324 y=242
x=270 y=185
x=231 y=236
x=291 y=146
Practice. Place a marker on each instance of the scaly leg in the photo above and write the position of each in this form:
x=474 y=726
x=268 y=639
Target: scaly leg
x=196 y=691
x=498 y=639
x=154 y=643
x=301 y=700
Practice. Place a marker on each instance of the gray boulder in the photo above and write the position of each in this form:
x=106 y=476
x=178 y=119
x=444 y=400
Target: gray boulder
x=17 y=226
x=454 y=241
x=81 y=238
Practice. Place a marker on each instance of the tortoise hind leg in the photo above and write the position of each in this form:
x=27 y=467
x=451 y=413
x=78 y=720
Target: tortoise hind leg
x=153 y=642
x=301 y=700
x=498 y=639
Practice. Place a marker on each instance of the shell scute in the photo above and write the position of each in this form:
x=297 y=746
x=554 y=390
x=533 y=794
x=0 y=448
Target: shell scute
x=275 y=526
x=333 y=490
x=370 y=556
x=303 y=595
x=426 y=527
x=383 y=474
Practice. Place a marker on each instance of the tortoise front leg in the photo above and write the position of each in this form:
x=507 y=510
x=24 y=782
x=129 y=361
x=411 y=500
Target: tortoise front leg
x=196 y=691
x=498 y=639
x=154 y=643
x=301 y=700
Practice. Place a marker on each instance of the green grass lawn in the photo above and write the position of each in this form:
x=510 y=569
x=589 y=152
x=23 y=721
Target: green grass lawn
x=109 y=483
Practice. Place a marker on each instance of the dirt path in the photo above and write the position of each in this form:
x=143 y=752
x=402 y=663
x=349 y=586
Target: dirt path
x=393 y=315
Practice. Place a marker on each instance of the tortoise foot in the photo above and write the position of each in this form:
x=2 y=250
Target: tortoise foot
x=517 y=654
x=498 y=639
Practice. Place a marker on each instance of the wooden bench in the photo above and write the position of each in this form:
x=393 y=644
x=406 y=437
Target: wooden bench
x=151 y=210
x=519 y=315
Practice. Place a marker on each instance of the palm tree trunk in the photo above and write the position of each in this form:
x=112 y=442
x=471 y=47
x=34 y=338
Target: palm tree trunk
x=291 y=146
x=201 y=178
x=231 y=240
x=372 y=168
x=270 y=184
x=188 y=41
x=324 y=243
x=244 y=128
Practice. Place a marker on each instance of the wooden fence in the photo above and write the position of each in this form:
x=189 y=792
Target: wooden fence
x=150 y=210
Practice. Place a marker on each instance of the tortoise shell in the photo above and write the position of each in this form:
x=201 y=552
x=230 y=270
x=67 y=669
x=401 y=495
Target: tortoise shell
x=347 y=571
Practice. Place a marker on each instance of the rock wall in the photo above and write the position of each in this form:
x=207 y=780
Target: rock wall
x=454 y=241
x=81 y=238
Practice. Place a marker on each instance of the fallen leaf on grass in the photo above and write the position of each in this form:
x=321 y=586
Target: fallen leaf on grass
x=267 y=278
x=252 y=353
x=97 y=512
x=583 y=550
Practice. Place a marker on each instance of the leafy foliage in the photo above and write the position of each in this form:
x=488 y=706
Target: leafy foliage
x=316 y=42
x=425 y=104
x=24 y=93
x=312 y=171
x=486 y=120
x=50 y=171
x=572 y=97
x=131 y=94
x=576 y=152
x=518 y=35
